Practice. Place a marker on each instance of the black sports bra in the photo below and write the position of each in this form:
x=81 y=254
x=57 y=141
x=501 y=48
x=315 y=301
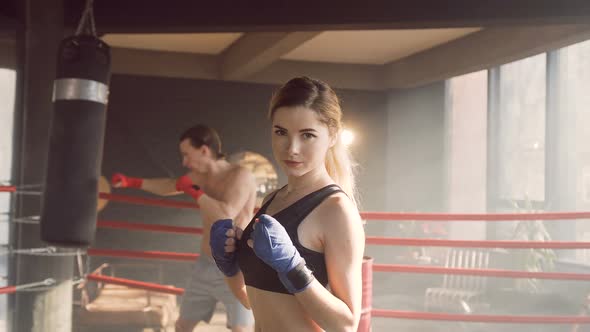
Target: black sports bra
x=260 y=275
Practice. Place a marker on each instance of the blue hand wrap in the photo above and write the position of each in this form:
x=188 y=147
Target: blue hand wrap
x=273 y=245
x=226 y=261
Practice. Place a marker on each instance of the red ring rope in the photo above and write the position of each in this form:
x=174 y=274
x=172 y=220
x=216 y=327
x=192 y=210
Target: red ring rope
x=479 y=272
x=377 y=240
x=148 y=227
x=7 y=290
x=148 y=201
x=143 y=254
x=400 y=216
x=481 y=318
x=389 y=216
x=136 y=284
x=376 y=267
x=7 y=189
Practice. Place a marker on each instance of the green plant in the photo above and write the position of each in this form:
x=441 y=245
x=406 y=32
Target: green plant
x=533 y=260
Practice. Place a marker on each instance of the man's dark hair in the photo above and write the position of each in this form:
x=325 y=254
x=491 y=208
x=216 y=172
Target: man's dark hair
x=200 y=135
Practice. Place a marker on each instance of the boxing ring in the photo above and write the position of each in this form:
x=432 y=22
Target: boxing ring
x=468 y=261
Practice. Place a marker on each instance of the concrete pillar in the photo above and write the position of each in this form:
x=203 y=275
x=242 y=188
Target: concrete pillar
x=39 y=35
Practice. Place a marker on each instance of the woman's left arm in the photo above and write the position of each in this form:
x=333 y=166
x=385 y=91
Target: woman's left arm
x=344 y=244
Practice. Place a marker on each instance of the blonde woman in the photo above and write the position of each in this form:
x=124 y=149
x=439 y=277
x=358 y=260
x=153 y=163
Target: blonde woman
x=297 y=263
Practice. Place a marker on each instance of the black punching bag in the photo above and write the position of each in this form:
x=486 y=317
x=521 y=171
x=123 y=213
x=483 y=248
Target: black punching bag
x=76 y=141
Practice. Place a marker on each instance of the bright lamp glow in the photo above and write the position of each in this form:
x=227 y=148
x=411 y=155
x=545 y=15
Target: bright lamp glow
x=347 y=137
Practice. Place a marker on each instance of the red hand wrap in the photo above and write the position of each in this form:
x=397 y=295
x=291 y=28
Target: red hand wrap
x=126 y=181
x=185 y=184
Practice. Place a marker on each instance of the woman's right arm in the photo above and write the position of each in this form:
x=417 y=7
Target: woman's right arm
x=238 y=287
x=236 y=282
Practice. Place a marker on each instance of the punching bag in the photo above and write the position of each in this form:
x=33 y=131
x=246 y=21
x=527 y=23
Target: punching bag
x=76 y=139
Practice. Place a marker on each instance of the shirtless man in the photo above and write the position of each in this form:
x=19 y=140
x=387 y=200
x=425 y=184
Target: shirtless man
x=222 y=190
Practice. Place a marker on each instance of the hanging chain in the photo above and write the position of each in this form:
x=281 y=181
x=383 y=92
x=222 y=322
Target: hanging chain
x=87 y=17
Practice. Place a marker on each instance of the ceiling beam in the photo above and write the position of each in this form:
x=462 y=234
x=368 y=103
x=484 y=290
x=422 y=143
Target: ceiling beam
x=481 y=50
x=154 y=16
x=341 y=76
x=195 y=66
x=166 y=64
x=256 y=50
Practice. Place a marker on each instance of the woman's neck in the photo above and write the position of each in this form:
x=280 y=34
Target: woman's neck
x=308 y=182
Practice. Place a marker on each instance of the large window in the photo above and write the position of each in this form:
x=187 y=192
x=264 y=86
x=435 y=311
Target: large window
x=466 y=117
x=517 y=107
x=521 y=135
x=575 y=74
x=7 y=94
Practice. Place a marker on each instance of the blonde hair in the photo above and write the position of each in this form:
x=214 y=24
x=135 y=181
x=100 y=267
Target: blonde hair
x=319 y=97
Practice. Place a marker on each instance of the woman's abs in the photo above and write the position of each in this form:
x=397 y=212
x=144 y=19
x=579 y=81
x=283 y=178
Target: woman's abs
x=279 y=312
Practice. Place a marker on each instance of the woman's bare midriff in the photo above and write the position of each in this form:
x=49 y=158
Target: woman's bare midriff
x=278 y=312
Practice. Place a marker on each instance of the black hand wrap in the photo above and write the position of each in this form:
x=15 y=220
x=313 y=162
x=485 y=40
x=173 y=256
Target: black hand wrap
x=298 y=279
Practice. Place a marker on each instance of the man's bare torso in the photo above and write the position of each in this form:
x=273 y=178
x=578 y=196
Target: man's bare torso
x=218 y=189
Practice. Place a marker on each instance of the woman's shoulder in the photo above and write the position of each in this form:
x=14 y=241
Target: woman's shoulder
x=338 y=208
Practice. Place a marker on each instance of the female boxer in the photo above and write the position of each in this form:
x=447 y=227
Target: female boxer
x=299 y=259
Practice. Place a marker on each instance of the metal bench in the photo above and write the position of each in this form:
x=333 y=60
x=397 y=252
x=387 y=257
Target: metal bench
x=460 y=293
